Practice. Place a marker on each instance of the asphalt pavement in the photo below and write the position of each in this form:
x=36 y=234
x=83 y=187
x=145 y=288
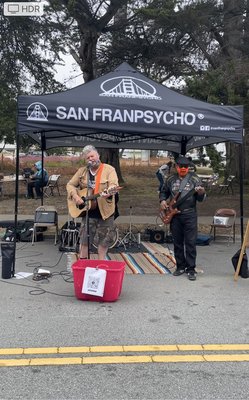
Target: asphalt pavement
x=152 y=310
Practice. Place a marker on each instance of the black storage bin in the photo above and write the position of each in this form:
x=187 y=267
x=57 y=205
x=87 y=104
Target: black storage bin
x=8 y=253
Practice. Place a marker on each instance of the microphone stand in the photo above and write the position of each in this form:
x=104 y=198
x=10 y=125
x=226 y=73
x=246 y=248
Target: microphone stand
x=87 y=217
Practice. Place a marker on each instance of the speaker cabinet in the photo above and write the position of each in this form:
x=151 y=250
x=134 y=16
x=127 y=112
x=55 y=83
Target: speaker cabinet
x=46 y=217
x=156 y=236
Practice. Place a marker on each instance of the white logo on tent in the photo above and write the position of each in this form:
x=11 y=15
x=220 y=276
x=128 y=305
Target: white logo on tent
x=128 y=87
x=37 y=112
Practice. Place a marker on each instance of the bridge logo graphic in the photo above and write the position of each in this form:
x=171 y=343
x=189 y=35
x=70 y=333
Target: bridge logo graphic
x=128 y=87
x=37 y=112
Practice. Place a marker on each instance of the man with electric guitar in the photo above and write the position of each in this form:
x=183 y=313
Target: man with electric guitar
x=178 y=198
x=91 y=195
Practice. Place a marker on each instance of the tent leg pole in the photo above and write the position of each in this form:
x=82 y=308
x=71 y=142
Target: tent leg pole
x=16 y=200
x=241 y=169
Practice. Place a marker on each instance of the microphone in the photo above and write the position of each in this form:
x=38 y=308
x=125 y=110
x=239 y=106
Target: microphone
x=89 y=164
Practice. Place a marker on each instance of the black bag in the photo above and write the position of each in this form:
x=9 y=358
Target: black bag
x=27 y=172
x=24 y=232
x=244 y=271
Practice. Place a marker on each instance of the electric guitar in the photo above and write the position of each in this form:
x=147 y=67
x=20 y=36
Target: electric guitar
x=89 y=202
x=167 y=215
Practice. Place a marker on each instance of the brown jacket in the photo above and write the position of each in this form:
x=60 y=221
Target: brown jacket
x=108 y=179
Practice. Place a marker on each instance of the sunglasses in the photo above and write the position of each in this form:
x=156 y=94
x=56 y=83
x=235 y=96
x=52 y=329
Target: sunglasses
x=183 y=166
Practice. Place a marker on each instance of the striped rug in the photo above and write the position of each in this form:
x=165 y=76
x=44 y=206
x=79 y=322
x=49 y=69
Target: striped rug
x=155 y=260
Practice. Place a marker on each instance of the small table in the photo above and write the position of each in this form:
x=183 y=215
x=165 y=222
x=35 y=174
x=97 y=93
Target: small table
x=8 y=179
x=12 y=178
x=206 y=179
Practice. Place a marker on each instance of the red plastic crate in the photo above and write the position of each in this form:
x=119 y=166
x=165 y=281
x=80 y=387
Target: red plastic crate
x=114 y=278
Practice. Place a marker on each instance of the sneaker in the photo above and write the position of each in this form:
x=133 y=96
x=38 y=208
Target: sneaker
x=192 y=275
x=178 y=272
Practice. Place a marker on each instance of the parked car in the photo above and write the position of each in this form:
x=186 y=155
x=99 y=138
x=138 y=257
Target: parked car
x=36 y=153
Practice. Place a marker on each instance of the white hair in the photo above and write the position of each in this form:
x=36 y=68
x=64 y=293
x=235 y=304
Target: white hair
x=87 y=149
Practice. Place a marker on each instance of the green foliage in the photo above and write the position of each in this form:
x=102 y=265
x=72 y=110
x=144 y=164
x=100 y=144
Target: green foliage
x=227 y=84
x=7 y=114
x=215 y=157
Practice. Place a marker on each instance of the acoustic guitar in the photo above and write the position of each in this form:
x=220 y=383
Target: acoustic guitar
x=89 y=202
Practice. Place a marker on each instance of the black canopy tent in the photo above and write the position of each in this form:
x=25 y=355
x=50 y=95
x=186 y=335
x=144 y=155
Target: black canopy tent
x=125 y=109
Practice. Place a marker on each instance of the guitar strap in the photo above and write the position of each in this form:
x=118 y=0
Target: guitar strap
x=184 y=183
x=98 y=176
x=182 y=186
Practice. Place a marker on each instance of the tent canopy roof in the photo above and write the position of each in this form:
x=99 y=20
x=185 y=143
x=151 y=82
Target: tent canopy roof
x=125 y=109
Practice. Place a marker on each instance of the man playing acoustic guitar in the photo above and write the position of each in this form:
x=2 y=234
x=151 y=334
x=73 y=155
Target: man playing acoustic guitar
x=91 y=195
x=183 y=190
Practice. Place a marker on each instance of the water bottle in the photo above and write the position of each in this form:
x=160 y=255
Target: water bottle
x=70 y=260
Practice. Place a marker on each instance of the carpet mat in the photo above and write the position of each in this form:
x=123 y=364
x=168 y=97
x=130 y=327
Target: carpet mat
x=156 y=259
x=151 y=258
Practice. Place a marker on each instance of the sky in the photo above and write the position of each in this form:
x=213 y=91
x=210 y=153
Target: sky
x=69 y=73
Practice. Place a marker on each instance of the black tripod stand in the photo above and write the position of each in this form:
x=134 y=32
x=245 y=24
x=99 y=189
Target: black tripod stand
x=130 y=237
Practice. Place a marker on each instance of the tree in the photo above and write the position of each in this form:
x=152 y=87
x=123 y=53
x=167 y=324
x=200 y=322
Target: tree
x=200 y=45
x=92 y=19
x=226 y=82
x=28 y=53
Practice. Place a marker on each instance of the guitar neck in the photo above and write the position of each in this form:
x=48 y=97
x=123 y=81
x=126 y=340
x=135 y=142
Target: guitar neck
x=174 y=200
x=91 y=197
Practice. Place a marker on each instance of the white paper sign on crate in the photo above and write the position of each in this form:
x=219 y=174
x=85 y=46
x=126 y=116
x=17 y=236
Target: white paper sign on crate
x=94 y=281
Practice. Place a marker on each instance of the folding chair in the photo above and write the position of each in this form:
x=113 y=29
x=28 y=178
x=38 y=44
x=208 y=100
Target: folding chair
x=213 y=184
x=227 y=186
x=224 y=219
x=53 y=183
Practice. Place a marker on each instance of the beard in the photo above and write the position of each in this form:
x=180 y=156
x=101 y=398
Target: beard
x=93 y=164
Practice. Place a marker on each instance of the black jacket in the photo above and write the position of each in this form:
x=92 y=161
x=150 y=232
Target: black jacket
x=171 y=188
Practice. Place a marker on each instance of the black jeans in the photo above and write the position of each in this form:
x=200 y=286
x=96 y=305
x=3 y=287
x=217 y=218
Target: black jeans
x=184 y=232
x=38 y=185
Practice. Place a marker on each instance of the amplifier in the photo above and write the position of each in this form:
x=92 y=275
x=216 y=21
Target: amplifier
x=156 y=236
x=46 y=217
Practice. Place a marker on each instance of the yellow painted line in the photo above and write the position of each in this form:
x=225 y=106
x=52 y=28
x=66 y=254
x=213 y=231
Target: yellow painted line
x=123 y=349
x=82 y=349
x=106 y=349
x=186 y=358
x=117 y=360
x=225 y=347
x=178 y=358
x=151 y=348
x=11 y=351
x=15 y=363
x=190 y=347
x=56 y=361
x=226 y=357
x=41 y=350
